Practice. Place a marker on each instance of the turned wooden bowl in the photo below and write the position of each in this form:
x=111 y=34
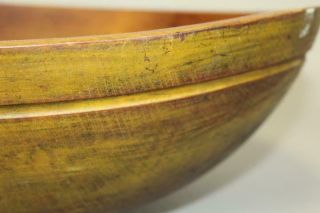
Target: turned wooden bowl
x=104 y=123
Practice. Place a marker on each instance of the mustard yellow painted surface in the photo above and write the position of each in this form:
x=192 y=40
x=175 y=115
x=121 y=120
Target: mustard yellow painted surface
x=100 y=124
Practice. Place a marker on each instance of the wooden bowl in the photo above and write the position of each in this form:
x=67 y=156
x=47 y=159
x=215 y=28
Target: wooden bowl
x=108 y=122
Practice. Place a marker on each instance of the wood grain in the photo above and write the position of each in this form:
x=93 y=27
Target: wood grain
x=107 y=123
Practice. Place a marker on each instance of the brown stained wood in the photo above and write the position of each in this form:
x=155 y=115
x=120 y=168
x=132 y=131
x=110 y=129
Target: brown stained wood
x=32 y=22
x=103 y=123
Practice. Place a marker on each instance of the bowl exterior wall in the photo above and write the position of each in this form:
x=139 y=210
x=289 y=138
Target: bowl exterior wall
x=119 y=158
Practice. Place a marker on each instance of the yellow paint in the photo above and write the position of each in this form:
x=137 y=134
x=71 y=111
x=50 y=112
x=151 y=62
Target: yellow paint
x=73 y=70
x=152 y=97
x=97 y=124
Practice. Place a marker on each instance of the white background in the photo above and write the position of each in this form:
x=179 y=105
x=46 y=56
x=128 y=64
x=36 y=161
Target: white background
x=278 y=169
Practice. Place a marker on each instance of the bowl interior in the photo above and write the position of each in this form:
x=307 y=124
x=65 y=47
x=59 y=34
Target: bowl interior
x=34 y=22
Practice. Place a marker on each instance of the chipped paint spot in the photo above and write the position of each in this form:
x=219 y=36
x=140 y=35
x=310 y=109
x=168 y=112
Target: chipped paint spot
x=309 y=16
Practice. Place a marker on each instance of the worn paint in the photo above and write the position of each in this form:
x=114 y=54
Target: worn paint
x=104 y=123
x=309 y=16
x=92 y=69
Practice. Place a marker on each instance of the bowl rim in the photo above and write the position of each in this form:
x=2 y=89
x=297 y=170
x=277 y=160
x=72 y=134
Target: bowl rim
x=147 y=35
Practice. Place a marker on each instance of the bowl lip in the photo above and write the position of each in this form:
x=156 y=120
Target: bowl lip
x=147 y=35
